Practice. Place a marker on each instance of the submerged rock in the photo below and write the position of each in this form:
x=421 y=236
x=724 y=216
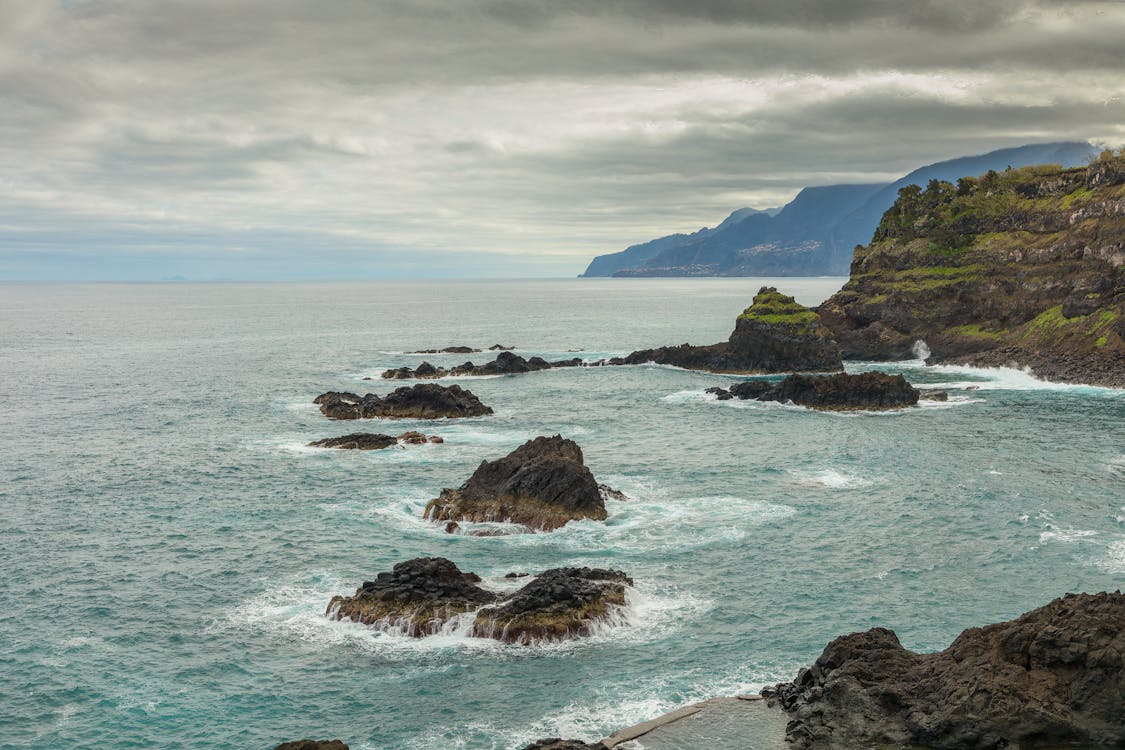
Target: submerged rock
x=561 y=603
x=416 y=599
x=312 y=745
x=543 y=484
x=419 y=597
x=840 y=392
x=422 y=401
x=372 y=441
x=554 y=743
x=506 y=363
x=774 y=334
x=1050 y=678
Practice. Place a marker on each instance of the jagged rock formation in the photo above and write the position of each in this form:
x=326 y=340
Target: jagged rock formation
x=840 y=392
x=1053 y=677
x=815 y=233
x=543 y=484
x=422 y=401
x=506 y=363
x=1023 y=267
x=372 y=441
x=775 y=334
x=420 y=597
x=416 y=599
x=560 y=603
x=312 y=745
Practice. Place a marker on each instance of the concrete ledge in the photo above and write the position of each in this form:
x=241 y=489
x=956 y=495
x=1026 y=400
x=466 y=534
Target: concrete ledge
x=639 y=730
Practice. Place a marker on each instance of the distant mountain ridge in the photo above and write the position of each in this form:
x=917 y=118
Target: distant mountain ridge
x=816 y=233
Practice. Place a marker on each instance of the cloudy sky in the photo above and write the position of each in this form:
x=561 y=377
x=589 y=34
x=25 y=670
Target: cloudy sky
x=277 y=139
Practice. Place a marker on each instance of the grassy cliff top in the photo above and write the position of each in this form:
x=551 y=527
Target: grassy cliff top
x=771 y=306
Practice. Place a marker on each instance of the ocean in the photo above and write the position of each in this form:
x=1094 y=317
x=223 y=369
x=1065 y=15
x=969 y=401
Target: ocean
x=168 y=544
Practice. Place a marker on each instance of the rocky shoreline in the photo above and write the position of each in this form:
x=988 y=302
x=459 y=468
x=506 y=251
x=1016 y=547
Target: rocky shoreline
x=840 y=392
x=420 y=597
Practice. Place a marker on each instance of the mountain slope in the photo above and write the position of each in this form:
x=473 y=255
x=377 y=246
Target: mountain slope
x=817 y=232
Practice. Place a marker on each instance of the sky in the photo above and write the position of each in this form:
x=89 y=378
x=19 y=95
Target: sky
x=385 y=139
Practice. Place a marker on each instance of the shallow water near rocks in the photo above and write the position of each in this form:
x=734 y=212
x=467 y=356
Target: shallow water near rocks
x=169 y=544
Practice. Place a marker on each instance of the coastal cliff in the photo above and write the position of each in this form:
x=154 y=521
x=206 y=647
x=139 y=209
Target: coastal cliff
x=1024 y=267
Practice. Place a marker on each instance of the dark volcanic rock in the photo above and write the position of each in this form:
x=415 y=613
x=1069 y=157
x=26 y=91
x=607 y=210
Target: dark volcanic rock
x=839 y=392
x=416 y=599
x=554 y=743
x=449 y=350
x=312 y=745
x=506 y=363
x=360 y=441
x=500 y=348
x=1053 y=677
x=775 y=334
x=419 y=597
x=561 y=603
x=370 y=441
x=542 y=484
x=423 y=401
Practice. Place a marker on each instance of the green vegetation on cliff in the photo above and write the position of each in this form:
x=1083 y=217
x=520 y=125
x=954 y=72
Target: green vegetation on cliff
x=1025 y=265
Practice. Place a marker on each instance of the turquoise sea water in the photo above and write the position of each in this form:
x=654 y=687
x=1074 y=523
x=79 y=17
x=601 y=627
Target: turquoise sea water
x=167 y=544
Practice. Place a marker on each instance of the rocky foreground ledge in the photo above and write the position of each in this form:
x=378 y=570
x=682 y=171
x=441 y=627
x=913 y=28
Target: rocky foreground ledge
x=542 y=485
x=422 y=401
x=841 y=392
x=420 y=597
x=1053 y=677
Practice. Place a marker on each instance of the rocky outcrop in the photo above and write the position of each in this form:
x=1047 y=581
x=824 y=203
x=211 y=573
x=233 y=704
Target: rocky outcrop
x=449 y=350
x=312 y=745
x=422 y=401
x=420 y=597
x=543 y=484
x=1053 y=677
x=560 y=603
x=554 y=743
x=775 y=334
x=840 y=392
x=506 y=363
x=417 y=598
x=372 y=441
x=1024 y=267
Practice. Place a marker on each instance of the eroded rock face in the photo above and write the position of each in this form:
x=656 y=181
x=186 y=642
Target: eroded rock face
x=506 y=363
x=543 y=484
x=554 y=743
x=373 y=441
x=561 y=603
x=840 y=392
x=416 y=599
x=420 y=597
x=422 y=401
x=312 y=745
x=775 y=334
x=1023 y=268
x=1052 y=677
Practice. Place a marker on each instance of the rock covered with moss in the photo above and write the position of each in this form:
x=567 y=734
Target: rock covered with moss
x=1024 y=267
x=422 y=401
x=774 y=334
x=839 y=392
x=420 y=597
x=1054 y=677
x=542 y=485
